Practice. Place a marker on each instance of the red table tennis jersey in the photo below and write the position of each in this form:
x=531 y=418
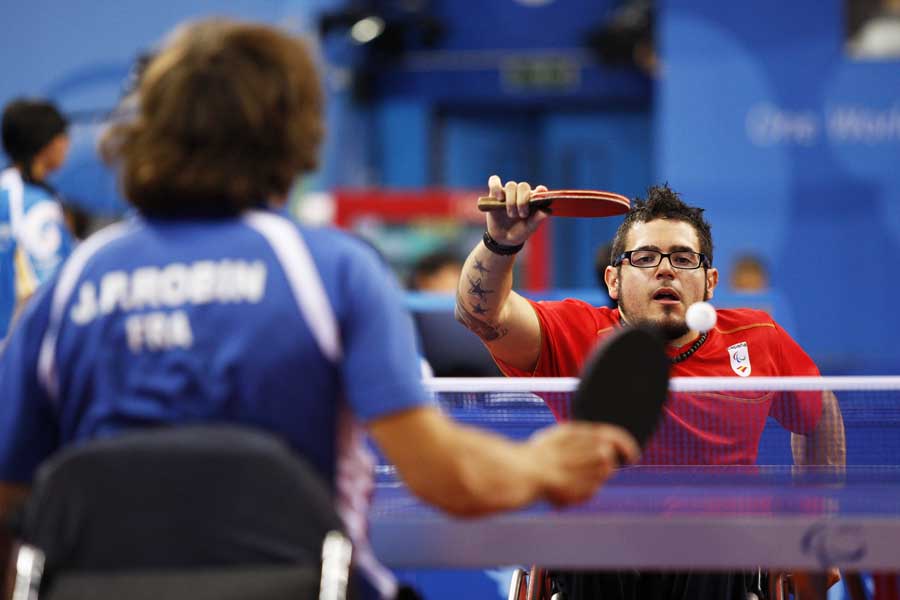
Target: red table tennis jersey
x=698 y=428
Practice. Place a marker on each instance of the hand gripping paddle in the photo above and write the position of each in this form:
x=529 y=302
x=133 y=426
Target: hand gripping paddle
x=568 y=203
x=625 y=382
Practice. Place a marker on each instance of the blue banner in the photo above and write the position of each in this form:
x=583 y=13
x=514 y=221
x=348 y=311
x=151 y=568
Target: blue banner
x=792 y=144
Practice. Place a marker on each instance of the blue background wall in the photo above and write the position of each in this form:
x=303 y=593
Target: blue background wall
x=794 y=148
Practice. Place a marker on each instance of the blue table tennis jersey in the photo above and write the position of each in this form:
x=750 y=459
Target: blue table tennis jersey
x=34 y=240
x=253 y=320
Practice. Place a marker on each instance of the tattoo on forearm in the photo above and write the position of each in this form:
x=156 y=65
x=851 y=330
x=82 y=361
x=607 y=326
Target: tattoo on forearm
x=476 y=289
x=479 y=266
x=483 y=329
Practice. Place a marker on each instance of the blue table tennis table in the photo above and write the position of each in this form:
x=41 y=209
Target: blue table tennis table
x=668 y=518
x=772 y=516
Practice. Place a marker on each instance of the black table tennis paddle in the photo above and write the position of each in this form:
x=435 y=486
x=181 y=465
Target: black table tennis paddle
x=625 y=382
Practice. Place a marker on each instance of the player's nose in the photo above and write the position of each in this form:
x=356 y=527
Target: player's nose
x=665 y=268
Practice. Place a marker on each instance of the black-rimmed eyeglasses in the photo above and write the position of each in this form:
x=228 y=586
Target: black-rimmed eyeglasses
x=647 y=259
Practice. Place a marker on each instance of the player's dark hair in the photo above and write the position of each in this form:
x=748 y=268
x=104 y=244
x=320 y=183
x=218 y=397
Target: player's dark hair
x=228 y=114
x=663 y=203
x=28 y=126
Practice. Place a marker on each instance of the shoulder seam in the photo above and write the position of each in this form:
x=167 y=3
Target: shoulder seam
x=66 y=280
x=743 y=327
x=285 y=239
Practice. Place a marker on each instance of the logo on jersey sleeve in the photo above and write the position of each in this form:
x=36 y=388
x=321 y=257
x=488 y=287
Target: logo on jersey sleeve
x=740 y=359
x=41 y=232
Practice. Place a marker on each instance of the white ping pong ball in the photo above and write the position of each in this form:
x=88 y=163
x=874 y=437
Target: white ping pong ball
x=701 y=316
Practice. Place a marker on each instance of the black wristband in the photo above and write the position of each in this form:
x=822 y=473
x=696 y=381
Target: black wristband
x=498 y=248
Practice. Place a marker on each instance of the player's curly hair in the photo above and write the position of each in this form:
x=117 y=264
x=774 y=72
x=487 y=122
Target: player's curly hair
x=663 y=203
x=227 y=115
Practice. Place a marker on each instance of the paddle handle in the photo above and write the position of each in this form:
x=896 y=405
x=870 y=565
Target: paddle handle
x=489 y=203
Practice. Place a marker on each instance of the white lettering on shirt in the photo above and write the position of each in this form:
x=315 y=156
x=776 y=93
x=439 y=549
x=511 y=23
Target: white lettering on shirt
x=171 y=286
x=155 y=331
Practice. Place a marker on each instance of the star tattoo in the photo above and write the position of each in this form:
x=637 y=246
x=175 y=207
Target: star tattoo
x=478 y=309
x=476 y=288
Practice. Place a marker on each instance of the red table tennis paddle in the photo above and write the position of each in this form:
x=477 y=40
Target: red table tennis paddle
x=625 y=382
x=568 y=203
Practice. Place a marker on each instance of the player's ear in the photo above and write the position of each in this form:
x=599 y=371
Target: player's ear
x=611 y=277
x=712 y=280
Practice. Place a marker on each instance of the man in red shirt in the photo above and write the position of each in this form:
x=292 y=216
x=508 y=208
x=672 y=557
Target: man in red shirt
x=661 y=263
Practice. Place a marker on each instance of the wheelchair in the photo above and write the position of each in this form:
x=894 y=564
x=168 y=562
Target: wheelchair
x=541 y=584
x=197 y=512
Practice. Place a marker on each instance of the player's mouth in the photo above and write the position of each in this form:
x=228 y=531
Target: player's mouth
x=666 y=296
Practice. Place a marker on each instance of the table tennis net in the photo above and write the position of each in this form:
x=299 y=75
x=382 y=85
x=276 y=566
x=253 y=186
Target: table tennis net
x=711 y=421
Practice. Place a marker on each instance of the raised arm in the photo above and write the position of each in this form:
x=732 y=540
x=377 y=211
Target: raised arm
x=485 y=301
x=469 y=472
x=826 y=444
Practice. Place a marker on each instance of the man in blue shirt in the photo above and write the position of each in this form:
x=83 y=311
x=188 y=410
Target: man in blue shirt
x=213 y=306
x=34 y=239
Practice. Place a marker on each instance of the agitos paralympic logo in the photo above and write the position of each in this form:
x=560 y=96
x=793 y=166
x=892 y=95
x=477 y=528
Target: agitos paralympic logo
x=834 y=544
x=740 y=359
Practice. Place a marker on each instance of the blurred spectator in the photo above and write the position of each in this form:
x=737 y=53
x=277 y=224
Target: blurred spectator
x=749 y=274
x=626 y=37
x=34 y=239
x=448 y=348
x=436 y=272
x=35 y=138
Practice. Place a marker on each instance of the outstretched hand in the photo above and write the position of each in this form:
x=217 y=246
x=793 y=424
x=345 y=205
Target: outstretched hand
x=575 y=459
x=516 y=224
